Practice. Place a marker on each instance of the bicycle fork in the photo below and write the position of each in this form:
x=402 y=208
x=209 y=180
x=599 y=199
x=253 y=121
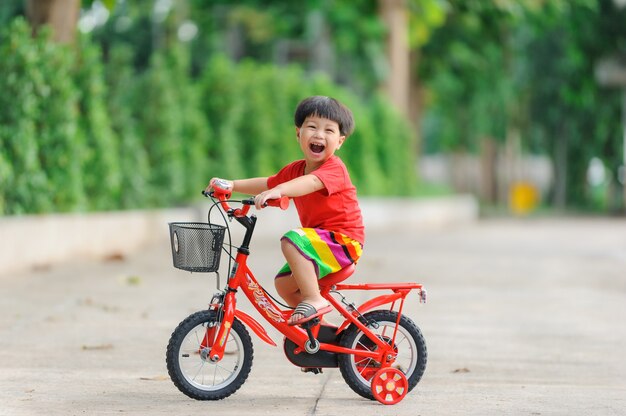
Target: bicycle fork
x=217 y=341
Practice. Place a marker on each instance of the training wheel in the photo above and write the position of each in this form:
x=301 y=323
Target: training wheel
x=389 y=385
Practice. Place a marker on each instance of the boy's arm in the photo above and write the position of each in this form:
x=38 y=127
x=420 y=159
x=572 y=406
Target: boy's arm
x=302 y=185
x=250 y=186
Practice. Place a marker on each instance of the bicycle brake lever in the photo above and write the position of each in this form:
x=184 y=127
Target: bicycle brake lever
x=282 y=203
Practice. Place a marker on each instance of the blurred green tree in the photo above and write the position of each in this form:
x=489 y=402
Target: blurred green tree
x=134 y=166
x=525 y=71
x=102 y=176
x=161 y=127
x=38 y=133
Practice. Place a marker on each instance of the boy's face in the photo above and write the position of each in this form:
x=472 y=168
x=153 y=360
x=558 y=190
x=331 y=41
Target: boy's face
x=319 y=138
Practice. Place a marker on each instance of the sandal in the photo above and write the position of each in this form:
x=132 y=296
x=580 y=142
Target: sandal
x=308 y=312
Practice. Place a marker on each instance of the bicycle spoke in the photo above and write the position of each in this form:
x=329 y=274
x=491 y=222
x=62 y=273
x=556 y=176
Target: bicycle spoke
x=214 y=375
x=228 y=343
x=367 y=360
x=365 y=347
x=225 y=369
x=366 y=366
x=200 y=337
x=398 y=343
x=383 y=332
x=201 y=366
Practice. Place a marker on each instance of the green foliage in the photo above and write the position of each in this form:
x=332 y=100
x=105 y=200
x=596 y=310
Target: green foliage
x=100 y=126
x=497 y=68
x=160 y=126
x=467 y=65
x=6 y=177
x=394 y=140
x=134 y=167
x=195 y=134
x=251 y=108
x=37 y=124
x=562 y=57
x=219 y=96
x=61 y=148
x=19 y=74
x=9 y=10
x=102 y=162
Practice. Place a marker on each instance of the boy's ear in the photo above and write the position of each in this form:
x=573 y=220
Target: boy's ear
x=298 y=132
x=341 y=140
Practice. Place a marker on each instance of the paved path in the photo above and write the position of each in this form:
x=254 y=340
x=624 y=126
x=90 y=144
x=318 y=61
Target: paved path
x=524 y=318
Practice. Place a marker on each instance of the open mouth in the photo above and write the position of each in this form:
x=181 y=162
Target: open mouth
x=317 y=148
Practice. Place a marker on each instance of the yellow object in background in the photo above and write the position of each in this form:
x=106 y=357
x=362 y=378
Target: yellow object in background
x=523 y=198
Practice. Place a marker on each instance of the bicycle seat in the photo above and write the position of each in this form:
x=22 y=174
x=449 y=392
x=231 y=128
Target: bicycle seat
x=340 y=276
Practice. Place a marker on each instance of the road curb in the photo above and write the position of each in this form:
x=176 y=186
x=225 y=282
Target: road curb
x=38 y=241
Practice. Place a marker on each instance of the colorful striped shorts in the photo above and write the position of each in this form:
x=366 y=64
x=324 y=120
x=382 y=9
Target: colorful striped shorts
x=329 y=251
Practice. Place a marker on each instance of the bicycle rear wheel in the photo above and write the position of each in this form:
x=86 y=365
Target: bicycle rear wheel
x=188 y=362
x=409 y=345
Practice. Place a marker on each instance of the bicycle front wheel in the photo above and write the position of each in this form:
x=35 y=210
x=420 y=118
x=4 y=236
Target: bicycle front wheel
x=189 y=364
x=409 y=346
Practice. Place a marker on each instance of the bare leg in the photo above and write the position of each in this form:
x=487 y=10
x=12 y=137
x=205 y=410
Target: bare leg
x=288 y=290
x=303 y=274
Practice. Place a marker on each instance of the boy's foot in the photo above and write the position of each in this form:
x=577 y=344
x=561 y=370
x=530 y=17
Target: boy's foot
x=304 y=312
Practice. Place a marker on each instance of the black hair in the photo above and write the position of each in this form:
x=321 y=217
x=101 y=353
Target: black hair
x=325 y=107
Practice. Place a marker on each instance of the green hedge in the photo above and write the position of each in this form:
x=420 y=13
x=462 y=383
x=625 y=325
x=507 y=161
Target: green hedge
x=38 y=125
x=78 y=132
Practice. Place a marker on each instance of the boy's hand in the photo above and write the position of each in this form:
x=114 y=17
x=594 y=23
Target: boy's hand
x=218 y=183
x=261 y=199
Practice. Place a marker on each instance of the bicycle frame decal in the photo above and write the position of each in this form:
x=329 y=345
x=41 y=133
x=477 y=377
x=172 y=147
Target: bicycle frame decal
x=223 y=340
x=262 y=301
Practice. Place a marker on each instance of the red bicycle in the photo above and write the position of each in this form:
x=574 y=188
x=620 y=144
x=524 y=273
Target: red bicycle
x=381 y=353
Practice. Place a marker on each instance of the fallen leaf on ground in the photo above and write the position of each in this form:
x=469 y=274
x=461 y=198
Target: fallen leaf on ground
x=133 y=280
x=115 y=257
x=155 y=378
x=97 y=347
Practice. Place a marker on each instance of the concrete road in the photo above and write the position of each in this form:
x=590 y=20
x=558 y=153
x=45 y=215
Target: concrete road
x=525 y=317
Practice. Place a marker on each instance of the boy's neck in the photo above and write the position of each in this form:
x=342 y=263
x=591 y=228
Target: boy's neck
x=311 y=166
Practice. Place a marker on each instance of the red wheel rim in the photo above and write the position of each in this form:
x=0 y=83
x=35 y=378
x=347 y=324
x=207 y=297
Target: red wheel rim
x=389 y=385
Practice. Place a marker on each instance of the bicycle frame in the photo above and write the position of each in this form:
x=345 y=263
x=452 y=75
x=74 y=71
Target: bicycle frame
x=242 y=278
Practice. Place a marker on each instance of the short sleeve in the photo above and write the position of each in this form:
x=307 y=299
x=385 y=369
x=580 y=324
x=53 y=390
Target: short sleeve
x=289 y=172
x=333 y=175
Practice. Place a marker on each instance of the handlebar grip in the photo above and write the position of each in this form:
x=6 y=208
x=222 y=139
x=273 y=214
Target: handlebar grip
x=218 y=192
x=282 y=202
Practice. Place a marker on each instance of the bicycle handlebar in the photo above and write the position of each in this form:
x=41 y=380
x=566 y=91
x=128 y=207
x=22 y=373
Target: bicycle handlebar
x=223 y=196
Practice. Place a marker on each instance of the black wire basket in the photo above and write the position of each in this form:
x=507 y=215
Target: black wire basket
x=196 y=246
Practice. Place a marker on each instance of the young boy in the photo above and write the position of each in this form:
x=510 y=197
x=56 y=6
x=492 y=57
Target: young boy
x=332 y=233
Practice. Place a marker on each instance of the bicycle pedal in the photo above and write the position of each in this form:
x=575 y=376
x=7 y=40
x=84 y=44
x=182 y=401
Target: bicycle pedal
x=314 y=370
x=310 y=324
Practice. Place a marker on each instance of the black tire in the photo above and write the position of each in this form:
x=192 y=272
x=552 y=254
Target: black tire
x=410 y=345
x=190 y=368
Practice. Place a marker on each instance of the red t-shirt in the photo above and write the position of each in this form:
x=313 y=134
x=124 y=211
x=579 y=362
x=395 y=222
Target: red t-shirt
x=334 y=208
